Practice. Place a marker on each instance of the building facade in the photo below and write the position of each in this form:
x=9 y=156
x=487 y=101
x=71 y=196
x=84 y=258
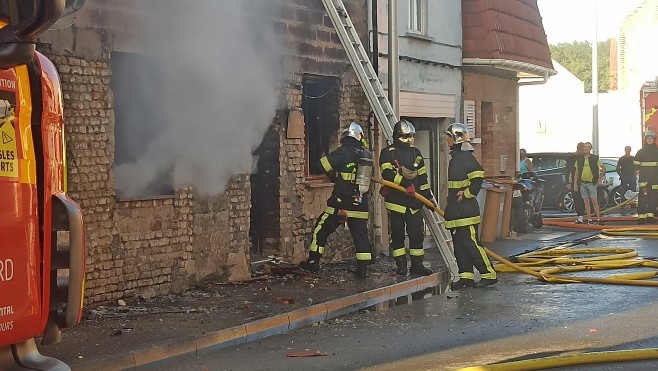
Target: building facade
x=180 y=175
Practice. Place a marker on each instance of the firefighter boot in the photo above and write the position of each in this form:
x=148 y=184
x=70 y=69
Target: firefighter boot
x=361 y=269
x=401 y=264
x=312 y=264
x=417 y=267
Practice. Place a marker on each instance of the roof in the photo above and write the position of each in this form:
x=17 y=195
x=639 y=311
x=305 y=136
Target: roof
x=506 y=30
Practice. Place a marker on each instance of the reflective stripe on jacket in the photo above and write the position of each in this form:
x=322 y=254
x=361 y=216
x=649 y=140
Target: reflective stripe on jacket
x=391 y=159
x=465 y=174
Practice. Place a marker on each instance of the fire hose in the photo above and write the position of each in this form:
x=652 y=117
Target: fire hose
x=534 y=264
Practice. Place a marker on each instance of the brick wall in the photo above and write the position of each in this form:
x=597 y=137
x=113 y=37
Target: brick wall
x=154 y=246
x=498 y=135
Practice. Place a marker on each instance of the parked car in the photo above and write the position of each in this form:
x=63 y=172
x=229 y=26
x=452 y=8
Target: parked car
x=551 y=166
x=614 y=182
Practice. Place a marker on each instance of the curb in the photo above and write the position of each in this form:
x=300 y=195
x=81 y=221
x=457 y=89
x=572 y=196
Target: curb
x=275 y=325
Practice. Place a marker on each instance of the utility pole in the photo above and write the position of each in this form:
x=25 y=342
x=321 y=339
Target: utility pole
x=595 y=83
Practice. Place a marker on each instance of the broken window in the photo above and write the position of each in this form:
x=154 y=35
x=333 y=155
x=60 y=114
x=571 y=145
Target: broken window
x=135 y=81
x=320 y=106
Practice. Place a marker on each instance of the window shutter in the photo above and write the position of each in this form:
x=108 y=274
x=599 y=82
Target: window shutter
x=469 y=117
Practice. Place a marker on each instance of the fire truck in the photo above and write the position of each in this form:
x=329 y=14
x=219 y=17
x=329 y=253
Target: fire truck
x=42 y=242
x=649 y=106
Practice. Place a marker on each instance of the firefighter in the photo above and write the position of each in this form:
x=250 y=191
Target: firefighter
x=402 y=164
x=347 y=203
x=462 y=214
x=646 y=162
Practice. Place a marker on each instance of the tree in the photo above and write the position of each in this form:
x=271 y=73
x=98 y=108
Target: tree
x=576 y=57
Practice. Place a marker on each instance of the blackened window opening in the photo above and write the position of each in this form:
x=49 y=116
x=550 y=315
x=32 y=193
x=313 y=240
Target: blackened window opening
x=320 y=107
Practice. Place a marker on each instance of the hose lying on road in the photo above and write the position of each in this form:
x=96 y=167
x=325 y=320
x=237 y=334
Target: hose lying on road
x=536 y=263
x=570 y=360
x=556 y=255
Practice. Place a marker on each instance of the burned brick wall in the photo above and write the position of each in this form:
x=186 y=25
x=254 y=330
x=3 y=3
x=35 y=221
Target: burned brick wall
x=314 y=48
x=151 y=246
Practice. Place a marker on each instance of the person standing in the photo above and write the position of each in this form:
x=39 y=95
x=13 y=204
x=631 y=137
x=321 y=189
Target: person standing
x=589 y=169
x=646 y=162
x=345 y=205
x=627 y=173
x=462 y=214
x=525 y=165
x=573 y=181
x=403 y=164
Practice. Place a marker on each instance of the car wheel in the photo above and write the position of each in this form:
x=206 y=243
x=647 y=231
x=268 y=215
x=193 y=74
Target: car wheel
x=565 y=202
x=603 y=197
x=617 y=197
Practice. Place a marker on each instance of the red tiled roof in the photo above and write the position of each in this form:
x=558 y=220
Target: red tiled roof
x=505 y=29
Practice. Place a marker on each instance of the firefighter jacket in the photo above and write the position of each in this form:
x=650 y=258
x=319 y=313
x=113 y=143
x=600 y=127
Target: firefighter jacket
x=403 y=165
x=465 y=174
x=646 y=162
x=341 y=166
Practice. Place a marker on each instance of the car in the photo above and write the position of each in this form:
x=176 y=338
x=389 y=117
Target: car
x=551 y=167
x=614 y=182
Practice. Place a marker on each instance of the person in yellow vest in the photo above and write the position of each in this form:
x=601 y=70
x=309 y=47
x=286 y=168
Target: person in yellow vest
x=590 y=171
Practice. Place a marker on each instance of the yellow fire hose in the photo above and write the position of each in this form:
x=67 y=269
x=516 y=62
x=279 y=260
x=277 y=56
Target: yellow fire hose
x=540 y=260
x=534 y=264
x=570 y=360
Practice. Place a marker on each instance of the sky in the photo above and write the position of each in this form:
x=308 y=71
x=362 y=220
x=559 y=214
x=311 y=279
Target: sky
x=574 y=20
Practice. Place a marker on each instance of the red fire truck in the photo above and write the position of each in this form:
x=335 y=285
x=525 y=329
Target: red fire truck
x=42 y=251
x=649 y=106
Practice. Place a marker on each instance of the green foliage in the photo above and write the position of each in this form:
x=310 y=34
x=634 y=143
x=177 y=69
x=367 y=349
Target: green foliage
x=576 y=57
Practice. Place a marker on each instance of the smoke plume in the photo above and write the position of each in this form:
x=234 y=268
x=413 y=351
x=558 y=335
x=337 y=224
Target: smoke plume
x=211 y=93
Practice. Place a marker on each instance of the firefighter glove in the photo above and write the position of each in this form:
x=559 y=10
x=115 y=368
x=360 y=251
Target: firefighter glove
x=341 y=216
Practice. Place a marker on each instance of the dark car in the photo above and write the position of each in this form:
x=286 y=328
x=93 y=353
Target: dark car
x=551 y=166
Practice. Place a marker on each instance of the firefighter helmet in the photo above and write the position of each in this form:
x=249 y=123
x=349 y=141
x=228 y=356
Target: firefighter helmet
x=354 y=130
x=458 y=132
x=404 y=132
x=650 y=134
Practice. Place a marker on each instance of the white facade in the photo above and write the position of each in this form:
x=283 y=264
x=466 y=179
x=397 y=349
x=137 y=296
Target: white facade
x=555 y=116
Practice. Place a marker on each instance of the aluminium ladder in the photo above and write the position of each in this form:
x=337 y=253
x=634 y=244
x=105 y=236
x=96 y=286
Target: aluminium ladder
x=385 y=115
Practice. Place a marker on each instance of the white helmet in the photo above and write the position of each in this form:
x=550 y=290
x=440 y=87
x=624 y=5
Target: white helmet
x=458 y=132
x=354 y=130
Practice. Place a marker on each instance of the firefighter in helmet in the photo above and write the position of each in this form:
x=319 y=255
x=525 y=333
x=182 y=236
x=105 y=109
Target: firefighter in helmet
x=402 y=164
x=462 y=214
x=646 y=162
x=348 y=202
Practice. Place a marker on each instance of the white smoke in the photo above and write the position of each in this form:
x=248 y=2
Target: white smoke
x=217 y=93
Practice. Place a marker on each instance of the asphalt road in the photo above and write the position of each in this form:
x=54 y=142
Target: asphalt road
x=519 y=318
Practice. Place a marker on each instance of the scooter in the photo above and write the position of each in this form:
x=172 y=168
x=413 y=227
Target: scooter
x=527 y=201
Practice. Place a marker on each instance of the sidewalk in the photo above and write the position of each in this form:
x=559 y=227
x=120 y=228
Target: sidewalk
x=216 y=314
